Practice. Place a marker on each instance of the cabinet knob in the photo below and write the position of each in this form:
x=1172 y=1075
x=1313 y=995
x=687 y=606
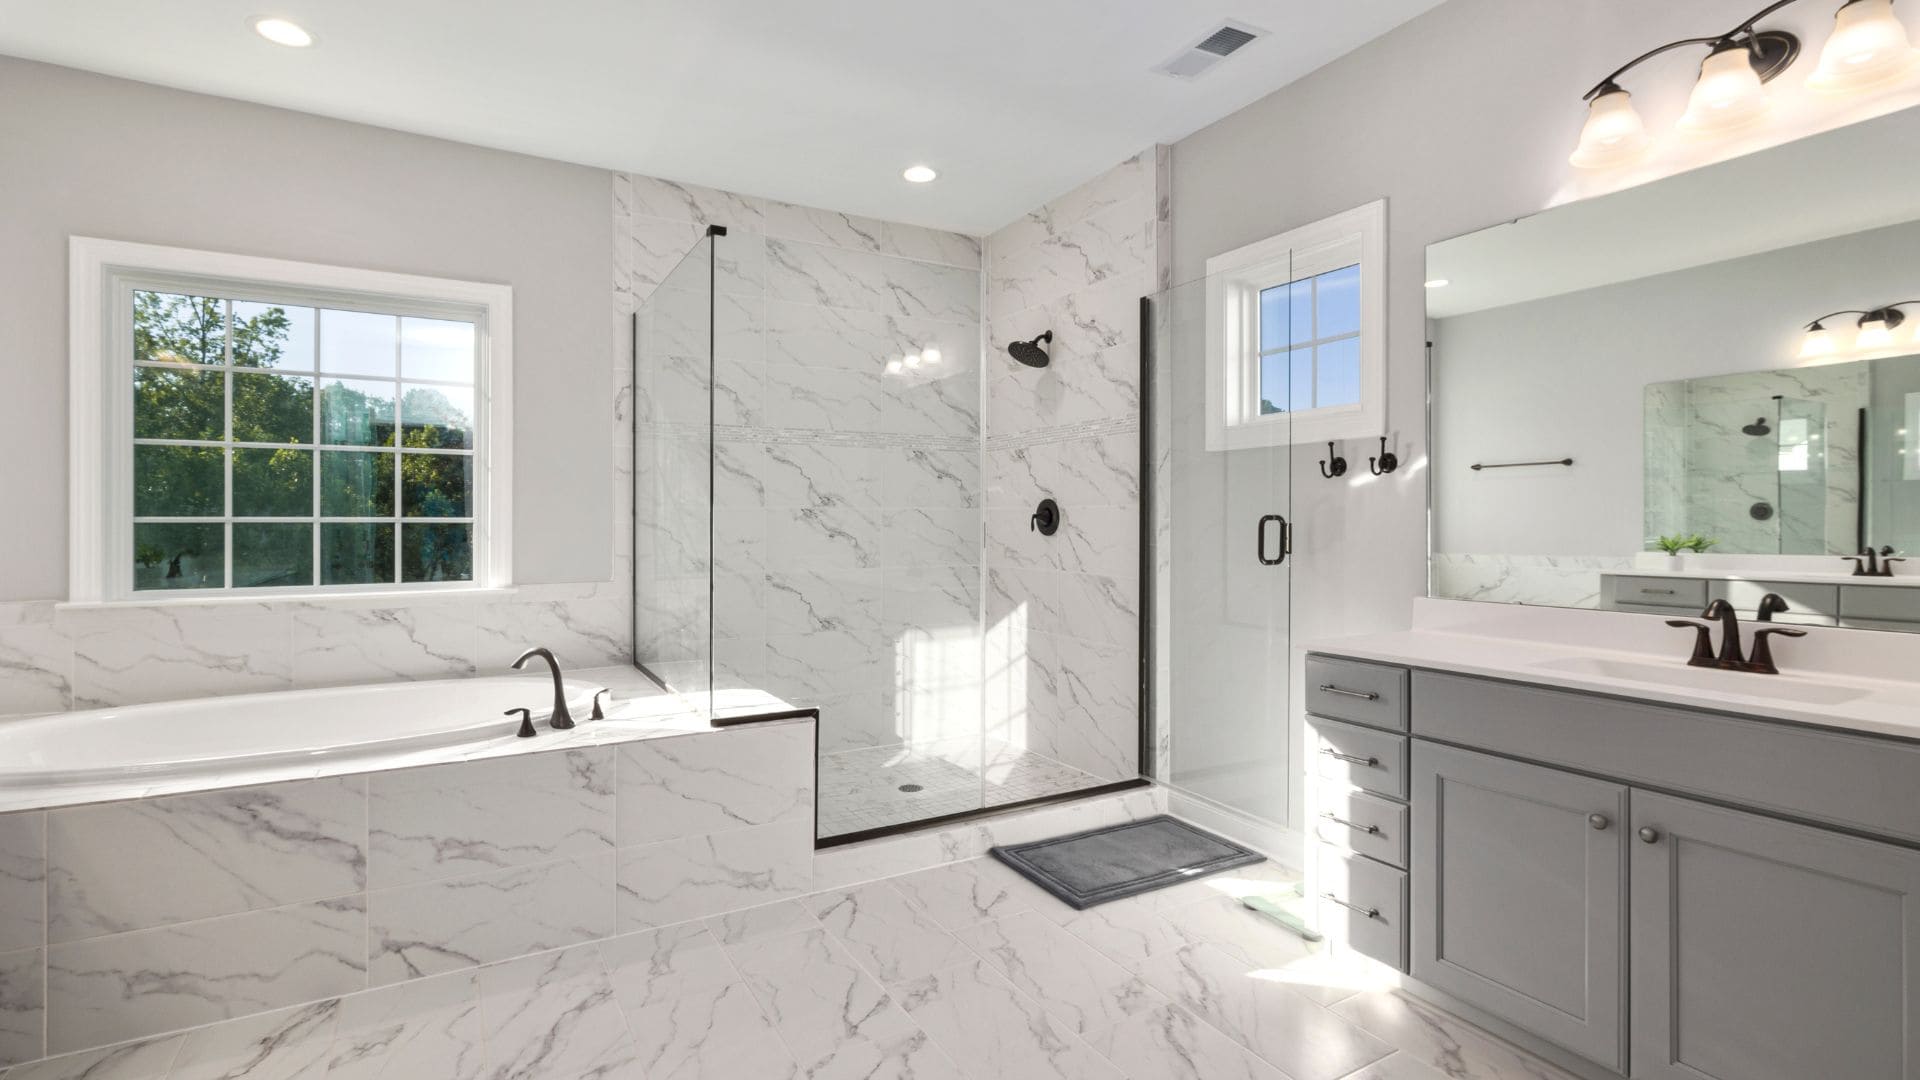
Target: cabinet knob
x=1598 y=821
x=1649 y=835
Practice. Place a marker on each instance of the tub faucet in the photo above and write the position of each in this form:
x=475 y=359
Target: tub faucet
x=561 y=719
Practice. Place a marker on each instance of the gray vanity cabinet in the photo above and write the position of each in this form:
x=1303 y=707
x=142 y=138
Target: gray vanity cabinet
x=1519 y=894
x=1764 y=950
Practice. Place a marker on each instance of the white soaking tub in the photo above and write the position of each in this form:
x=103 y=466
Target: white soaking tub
x=219 y=739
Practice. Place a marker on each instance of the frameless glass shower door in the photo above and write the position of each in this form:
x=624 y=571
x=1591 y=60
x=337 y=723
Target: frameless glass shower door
x=1224 y=374
x=672 y=478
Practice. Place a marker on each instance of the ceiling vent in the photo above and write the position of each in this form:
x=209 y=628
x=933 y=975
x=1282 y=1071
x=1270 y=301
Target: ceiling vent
x=1216 y=45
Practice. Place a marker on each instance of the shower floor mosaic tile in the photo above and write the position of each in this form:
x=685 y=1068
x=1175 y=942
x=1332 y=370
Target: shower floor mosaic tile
x=961 y=972
x=879 y=786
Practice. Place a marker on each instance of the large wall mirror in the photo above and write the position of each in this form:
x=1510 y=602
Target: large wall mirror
x=1633 y=407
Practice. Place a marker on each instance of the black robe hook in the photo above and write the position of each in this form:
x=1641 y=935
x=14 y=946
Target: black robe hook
x=1338 y=467
x=1386 y=462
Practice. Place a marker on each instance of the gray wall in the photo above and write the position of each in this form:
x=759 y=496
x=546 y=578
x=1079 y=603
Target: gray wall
x=88 y=155
x=1461 y=118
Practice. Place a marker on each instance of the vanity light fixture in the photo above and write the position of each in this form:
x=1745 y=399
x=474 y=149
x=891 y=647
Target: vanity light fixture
x=1868 y=47
x=1873 y=330
x=283 y=32
x=919 y=174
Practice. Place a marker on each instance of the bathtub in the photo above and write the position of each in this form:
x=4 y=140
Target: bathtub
x=208 y=738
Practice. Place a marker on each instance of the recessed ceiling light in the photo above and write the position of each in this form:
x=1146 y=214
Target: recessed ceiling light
x=919 y=174
x=283 y=32
x=1438 y=283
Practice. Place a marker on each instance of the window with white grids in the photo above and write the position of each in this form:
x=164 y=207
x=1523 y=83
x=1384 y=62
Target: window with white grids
x=282 y=433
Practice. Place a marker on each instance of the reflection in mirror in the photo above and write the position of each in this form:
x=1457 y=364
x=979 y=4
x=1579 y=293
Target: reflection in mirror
x=1642 y=401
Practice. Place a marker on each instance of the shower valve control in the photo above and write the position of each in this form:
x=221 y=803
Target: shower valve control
x=1046 y=518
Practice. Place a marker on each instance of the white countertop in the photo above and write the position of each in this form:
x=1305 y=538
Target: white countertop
x=1784 y=576
x=1561 y=648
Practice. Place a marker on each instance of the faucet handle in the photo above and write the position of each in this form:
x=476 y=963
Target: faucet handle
x=1859 y=564
x=1702 y=641
x=1762 y=661
x=526 y=722
x=598 y=712
x=1886 y=564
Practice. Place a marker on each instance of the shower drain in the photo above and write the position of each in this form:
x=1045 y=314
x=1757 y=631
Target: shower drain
x=911 y=788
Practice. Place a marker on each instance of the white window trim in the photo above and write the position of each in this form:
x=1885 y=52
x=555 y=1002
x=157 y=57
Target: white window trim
x=100 y=493
x=1234 y=281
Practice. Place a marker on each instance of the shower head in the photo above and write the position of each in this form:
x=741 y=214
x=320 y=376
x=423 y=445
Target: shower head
x=1031 y=353
x=1758 y=427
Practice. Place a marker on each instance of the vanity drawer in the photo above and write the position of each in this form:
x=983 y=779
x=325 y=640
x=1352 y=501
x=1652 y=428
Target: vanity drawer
x=1364 y=693
x=1880 y=603
x=1363 y=823
x=1808 y=603
x=1661 y=592
x=1358 y=757
x=1362 y=904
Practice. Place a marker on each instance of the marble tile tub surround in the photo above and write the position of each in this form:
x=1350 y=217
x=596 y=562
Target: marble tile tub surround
x=1062 y=611
x=847 y=530
x=958 y=971
x=174 y=913
x=55 y=657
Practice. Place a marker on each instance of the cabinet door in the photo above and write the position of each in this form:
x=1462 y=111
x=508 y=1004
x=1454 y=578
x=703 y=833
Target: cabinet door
x=1769 y=951
x=1519 y=892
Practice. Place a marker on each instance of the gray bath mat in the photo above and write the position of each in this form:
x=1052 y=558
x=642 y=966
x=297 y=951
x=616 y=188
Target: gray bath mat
x=1123 y=860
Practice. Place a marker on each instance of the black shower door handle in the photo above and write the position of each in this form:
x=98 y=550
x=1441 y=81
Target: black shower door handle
x=1260 y=541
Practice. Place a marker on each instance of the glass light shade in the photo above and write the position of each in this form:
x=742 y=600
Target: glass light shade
x=893 y=367
x=1728 y=95
x=1869 y=46
x=1874 y=334
x=913 y=360
x=1614 y=133
x=931 y=356
x=1819 y=342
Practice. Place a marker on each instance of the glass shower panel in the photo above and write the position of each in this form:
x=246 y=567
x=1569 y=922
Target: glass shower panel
x=1219 y=550
x=1801 y=463
x=673 y=413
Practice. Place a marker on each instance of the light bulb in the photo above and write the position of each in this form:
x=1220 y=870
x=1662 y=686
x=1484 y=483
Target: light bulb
x=893 y=367
x=1728 y=95
x=1614 y=133
x=919 y=174
x=931 y=356
x=283 y=32
x=1869 y=46
x=913 y=360
x=1874 y=334
x=1819 y=342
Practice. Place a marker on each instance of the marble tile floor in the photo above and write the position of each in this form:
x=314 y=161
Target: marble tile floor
x=863 y=789
x=961 y=972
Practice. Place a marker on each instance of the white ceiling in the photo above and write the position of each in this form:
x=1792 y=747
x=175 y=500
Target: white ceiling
x=820 y=102
x=1839 y=182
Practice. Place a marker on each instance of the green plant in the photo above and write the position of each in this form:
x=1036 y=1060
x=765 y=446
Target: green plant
x=1679 y=542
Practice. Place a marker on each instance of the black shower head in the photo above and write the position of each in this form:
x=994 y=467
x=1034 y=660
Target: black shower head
x=1758 y=427
x=1031 y=353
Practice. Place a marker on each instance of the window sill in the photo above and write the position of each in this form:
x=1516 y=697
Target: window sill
x=351 y=601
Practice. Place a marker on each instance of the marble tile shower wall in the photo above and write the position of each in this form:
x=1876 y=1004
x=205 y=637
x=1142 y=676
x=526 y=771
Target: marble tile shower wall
x=1063 y=611
x=847 y=533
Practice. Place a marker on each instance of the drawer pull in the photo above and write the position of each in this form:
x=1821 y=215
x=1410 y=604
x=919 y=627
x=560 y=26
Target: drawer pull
x=1363 y=695
x=1658 y=592
x=1370 y=830
x=1369 y=762
x=1369 y=912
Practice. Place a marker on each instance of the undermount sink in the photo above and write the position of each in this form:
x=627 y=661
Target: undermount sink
x=1779 y=687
